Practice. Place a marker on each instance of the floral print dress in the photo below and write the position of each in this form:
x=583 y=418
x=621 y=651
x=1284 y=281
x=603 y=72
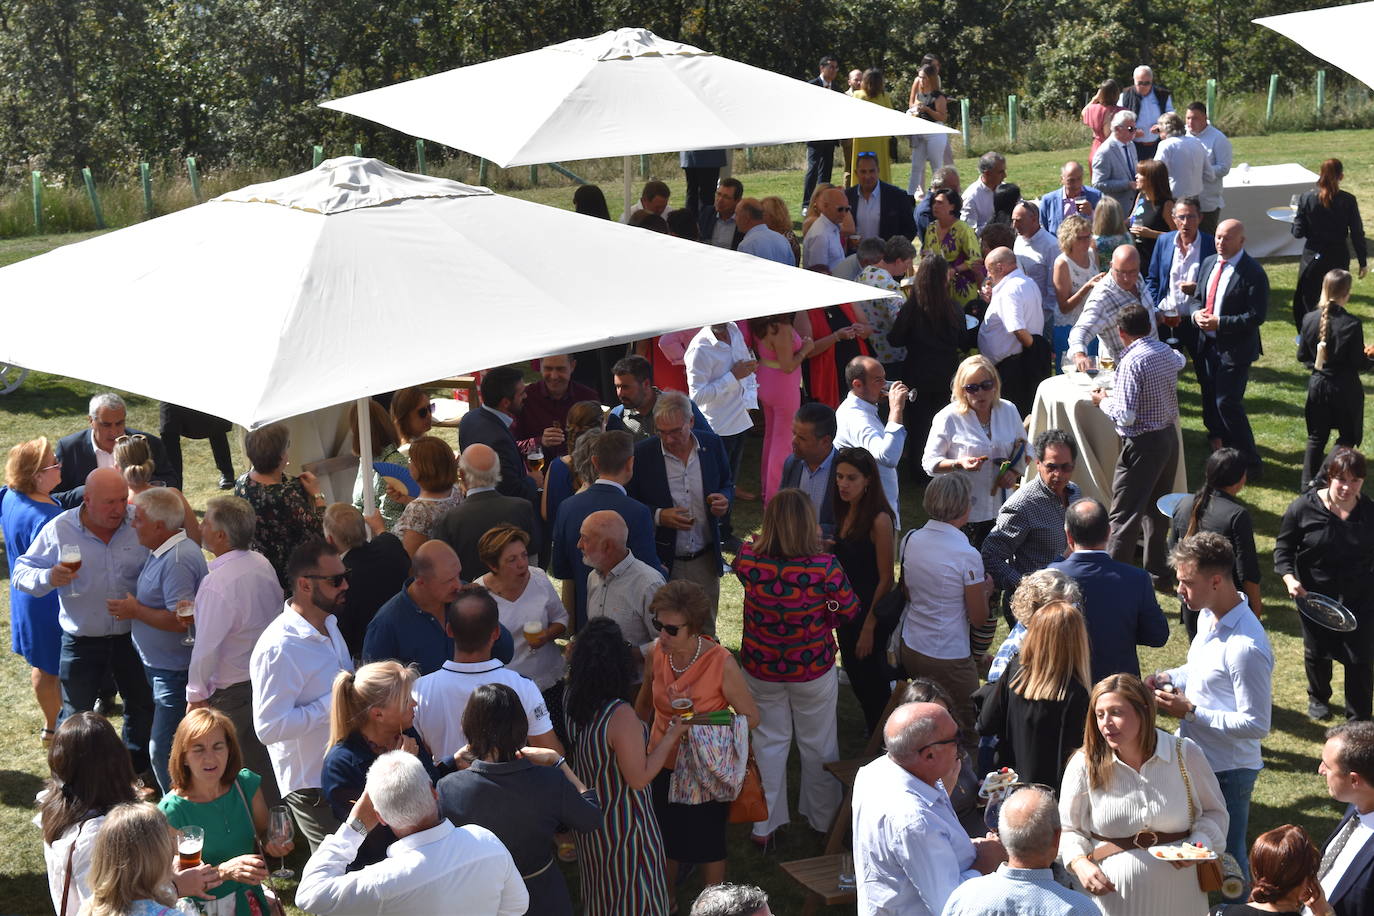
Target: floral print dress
x=287 y=517
x=961 y=249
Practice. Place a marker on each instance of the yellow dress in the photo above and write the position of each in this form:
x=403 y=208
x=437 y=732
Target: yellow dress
x=879 y=145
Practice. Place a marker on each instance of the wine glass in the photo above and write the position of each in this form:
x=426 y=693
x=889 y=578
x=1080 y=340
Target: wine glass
x=186 y=610
x=1168 y=313
x=280 y=830
x=69 y=555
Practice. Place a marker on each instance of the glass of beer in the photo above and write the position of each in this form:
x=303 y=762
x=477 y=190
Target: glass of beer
x=1106 y=361
x=280 y=830
x=186 y=610
x=533 y=628
x=1168 y=313
x=190 y=839
x=535 y=458
x=69 y=555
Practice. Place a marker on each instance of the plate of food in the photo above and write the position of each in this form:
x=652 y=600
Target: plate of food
x=1183 y=852
x=998 y=781
x=1328 y=612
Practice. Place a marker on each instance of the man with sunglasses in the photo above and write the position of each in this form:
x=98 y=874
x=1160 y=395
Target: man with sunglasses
x=91 y=448
x=910 y=851
x=823 y=249
x=1115 y=161
x=292 y=670
x=1147 y=101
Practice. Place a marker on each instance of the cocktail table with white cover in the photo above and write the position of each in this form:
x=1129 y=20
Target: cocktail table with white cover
x=1065 y=402
x=1249 y=194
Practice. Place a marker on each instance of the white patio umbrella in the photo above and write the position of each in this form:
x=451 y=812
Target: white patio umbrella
x=1338 y=35
x=356 y=278
x=622 y=93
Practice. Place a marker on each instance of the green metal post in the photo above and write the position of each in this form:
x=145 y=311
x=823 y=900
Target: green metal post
x=749 y=158
x=482 y=172
x=317 y=156
x=534 y=176
x=643 y=166
x=963 y=122
x=358 y=150
x=1211 y=100
x=1273 y=93
x=38 y=201
x=420 y=157
x=194 y=174
x=1011 y=118
x=146 y=179
x=1321 y=92
x=95 y=199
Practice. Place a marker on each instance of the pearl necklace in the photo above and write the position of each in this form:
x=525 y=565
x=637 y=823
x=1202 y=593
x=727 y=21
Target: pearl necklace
x=683 y=670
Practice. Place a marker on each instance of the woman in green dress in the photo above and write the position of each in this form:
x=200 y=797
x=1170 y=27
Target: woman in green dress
x=211 y=791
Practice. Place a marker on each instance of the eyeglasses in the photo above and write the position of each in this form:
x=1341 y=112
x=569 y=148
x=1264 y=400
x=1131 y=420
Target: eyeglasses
x=1085 y=237
x=1052 y=467
x=984 y=385
x=868 y=154
x=334 y=580
x=672 y=629
x=57 y=463
x=1144 y=82
x=924 y=748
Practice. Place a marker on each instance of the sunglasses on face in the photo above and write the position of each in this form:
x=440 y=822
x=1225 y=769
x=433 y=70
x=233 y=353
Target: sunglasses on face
x=672 y=629
x=924 y=748
x=975 y=387
x=334 y=580
x=1052 y=467
x=425 y=410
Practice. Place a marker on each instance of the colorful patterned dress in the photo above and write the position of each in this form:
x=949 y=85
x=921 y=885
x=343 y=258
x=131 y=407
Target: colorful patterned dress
x=622 y=864
x=286 y=518
x=961 y=249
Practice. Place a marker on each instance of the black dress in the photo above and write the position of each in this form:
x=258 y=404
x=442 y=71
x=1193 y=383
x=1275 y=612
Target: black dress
x=1245 y=909
x=1034 y=737
x=1325 y=230
x=1335 y=393
x=1333 y=558
x=932 y=358
x=869 y=677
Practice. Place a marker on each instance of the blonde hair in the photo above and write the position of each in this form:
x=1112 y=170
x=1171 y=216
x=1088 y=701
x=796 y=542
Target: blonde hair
x=776 y=214
x=357 y=693
x=196 y=725
x=967 y=370
x=1095 y=748
x=789 y=526
x=134 y=459
x=1069 y=229
x=25 y=463
x=1107 y=218
x=132 y=860
x=1054 y=652
x=1335 y=289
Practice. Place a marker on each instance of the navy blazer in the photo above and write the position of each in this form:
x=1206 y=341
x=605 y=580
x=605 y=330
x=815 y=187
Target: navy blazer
x=895 y=210
x=481 y=425
x=1052 y=206
x=1243 y=305
x=1354 y=895
x=706 y=225
x=566 y=560
x=1162 y=261
x=77 y=455
x=1120 y=609
x=791 y=477
x=650 y=486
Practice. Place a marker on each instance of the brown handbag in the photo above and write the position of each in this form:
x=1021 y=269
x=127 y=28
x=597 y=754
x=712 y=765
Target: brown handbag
x=750 y=806
x=1208 y=873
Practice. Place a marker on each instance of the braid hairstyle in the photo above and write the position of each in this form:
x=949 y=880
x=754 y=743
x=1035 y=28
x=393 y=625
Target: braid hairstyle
x=1335 y=289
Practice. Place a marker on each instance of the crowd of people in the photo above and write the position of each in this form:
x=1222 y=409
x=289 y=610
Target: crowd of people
x=513 y=661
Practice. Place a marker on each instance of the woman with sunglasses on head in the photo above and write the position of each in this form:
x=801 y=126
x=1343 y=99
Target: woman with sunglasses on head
x=386 y=443
x=950 y=236
x=289 y=510
x=795 y=596
x=688 y=670
x=134 y=459
x=1133 y=786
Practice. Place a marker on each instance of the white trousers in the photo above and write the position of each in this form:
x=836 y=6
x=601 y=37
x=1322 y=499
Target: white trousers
x=925 y=148
x=808 y=710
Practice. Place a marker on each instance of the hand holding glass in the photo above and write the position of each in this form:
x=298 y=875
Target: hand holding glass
x=186 y=610
x=280 y=830
x=69 y=555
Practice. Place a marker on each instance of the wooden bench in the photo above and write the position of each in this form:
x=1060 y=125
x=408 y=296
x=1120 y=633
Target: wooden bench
x=819 y=876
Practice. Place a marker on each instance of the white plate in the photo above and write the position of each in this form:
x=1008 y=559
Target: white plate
x=1158 y=853
x=1169 y=502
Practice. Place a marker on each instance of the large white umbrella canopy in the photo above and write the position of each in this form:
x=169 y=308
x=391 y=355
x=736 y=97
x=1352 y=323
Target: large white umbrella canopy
x=622 y=93
x=356 y=278
x=1338 y=35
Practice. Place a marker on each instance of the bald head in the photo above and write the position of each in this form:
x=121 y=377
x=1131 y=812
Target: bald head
x=1230 y=238
x=1028 y=826
x=602 y=539
x=437 y=572
x=1000 y=262
x=607 y=524
x=918 y=736
x=106 y=499
x=478 y=466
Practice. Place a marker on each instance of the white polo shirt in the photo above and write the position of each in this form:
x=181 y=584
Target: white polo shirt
x=442 y=695
x=939 y=563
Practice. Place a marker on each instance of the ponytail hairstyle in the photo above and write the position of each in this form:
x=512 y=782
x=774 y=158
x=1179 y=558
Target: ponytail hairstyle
x=1335 y=290
x=1329 y=182
x=134 y=459
x=1225 y=468
x=378 y=684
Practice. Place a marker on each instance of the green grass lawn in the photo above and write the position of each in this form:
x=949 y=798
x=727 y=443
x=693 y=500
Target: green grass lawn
x=1289 y=789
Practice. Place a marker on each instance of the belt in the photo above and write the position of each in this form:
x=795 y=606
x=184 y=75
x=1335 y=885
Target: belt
x=539 y=871
x=692 y=556
x=1141 y=840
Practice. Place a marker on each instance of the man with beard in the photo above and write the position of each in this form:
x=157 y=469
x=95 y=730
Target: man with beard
x=292 y=669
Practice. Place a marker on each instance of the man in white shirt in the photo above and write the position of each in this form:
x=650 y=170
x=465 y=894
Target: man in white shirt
x=858 y=426
x=979 y=207
x=1147 y=101
x=441 y=696
x=1347 y=867
x=1218 y=155
x=1190 y=167
x=1223 y=693
x=618 y=586
x=720 y=380
x=433 y=867
x=654 y=199
x=235 y=603
x=910 y=851
x=822 y=247
x=1015 y=317
x=1036 y=250
x=292 y=670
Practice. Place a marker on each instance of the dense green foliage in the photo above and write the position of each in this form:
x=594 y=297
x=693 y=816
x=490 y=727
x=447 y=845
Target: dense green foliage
x=108 y=83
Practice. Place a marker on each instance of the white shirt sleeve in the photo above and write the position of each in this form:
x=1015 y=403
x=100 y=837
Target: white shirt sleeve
x=939 y=442
x=327 y=886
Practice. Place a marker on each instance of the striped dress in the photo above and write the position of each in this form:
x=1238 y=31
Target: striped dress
x=622 y=864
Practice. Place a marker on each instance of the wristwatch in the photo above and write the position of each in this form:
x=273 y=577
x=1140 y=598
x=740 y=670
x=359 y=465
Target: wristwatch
x=1191 y=714
x=357 y=824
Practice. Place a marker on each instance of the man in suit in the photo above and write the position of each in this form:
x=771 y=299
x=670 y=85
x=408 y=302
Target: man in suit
x=683 y=475
x=1072 y=196
x=84 y=451
x=1234 y=299
x=820 y=154
x=503 y=396
x=717 y=223
x=809 y=466
x=1178 y=256
x=613 y=458
x=1115 y=161
x=483 y=509
x=376 y=569
x=1347 y=869
x=634 y=386
x=881 y=210
x=1119 y=604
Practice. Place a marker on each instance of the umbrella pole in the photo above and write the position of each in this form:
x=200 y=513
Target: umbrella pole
x=365 y=454
x=628 y=189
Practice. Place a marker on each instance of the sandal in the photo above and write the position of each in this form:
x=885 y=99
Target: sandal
x=567 y=851
x=45 y=735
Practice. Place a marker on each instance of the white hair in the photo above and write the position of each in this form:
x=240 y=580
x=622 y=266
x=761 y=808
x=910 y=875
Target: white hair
x=401 y=791
x=234 y=516
x=672 y=404
x=477 y=477
x=1122 y=116
x=106 y=400
x=1143 y=68
x=1028 y=827
x=160 y=504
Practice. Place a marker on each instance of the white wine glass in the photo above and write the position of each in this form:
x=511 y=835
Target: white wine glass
x=280 y=830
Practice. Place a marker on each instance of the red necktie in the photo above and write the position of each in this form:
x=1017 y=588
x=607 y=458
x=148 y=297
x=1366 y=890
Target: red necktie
x=1210 y=308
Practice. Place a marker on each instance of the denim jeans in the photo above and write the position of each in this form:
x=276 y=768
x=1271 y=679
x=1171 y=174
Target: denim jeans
x=84 y=664
x=1236 y=787
x=169 y=705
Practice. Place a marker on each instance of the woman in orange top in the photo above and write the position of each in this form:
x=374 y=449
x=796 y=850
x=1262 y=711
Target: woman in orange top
x=685 y=665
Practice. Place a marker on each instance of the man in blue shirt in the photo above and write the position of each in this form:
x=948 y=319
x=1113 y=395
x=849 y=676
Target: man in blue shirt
x=759 y=239
x=94 y=642
x=170 y=577
x=410 y=627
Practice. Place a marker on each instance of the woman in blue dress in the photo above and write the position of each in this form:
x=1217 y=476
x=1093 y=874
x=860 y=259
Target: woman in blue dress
x=25 y=507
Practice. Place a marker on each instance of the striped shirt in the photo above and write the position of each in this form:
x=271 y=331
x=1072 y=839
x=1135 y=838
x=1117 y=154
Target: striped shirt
x=1146 y=392
x=1099 y=316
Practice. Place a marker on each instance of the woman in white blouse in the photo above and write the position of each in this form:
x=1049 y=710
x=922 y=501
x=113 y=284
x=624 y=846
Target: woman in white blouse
x=1128 y=790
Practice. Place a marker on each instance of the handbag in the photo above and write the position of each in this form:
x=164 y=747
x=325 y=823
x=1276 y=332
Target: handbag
x=274 y=906
x=889 y=607
x=750 y=806
x=1208 y=873
x=710 y=764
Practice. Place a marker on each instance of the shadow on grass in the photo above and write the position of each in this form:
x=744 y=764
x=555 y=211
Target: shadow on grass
x=28 y=886
x=17 y=789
